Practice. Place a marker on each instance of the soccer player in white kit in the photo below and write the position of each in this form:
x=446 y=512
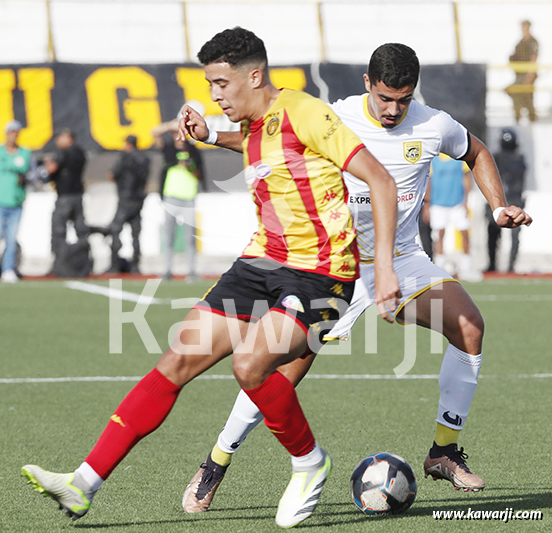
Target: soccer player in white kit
x=405 y=136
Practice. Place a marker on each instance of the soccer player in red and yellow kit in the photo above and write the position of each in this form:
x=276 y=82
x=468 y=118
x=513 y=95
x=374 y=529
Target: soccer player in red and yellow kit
x=278 y=300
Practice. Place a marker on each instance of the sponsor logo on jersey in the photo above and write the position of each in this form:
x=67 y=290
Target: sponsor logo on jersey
x=263 y=171
x=412 y=151
x=405 y=197
x=344 y=268
x=292 y=302
x=253 y=173
x=454 y=421
x=342 y=236
x=359 y=200
x=333 y=129
x=330 y=195
x=272 y=126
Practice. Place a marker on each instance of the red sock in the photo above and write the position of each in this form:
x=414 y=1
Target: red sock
x=277 y=401
x=141 y=412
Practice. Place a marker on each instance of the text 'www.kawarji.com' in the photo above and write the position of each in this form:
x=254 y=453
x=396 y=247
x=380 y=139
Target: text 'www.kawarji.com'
x=506 y=515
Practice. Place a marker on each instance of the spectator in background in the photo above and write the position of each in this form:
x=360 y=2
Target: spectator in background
x=521 y=91
x=512 y=167
x=15 y=163
x=65 y=169
x=450 y=185
x=130 y=174
x=181 y=176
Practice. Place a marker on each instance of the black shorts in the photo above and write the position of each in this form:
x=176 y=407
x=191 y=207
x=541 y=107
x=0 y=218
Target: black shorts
x=253 y=286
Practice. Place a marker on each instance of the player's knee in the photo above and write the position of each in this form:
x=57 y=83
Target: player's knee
x=247 y=372
x=181 y=364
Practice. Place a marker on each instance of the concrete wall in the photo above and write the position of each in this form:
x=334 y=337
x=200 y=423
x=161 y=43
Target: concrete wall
x=226 y=222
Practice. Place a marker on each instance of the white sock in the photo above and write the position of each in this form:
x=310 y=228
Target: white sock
x=313 y=458
x=243 y=419
x=457 y=383
x=88 y=474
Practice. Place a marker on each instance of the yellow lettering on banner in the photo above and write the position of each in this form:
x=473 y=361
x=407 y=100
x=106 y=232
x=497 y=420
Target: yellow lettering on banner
x=196 y=87
x=141 y=109
x=7 y=85
x=37 y=84
x=288 y=78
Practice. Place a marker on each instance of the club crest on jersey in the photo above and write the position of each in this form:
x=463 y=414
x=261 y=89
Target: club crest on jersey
x=272 y=126
x=412 y=151
x=293 y=302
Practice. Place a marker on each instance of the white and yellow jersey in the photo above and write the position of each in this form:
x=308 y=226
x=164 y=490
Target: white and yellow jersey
x=406 y=152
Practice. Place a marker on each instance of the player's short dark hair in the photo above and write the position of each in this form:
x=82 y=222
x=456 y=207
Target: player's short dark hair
x=394 y=64
x=236 y=46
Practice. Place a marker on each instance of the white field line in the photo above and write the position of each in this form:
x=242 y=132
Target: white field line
x=8 y=381
x=107 y=291
x=133 y=297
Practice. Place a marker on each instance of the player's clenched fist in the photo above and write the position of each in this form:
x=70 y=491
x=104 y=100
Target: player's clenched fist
x=193 y=124
x=512 y=217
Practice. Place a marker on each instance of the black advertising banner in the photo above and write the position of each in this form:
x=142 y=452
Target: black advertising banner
x=460 y=90
x=103 y=104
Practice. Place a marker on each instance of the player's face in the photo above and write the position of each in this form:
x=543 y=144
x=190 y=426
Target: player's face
x=231 y=88
x=388 y=105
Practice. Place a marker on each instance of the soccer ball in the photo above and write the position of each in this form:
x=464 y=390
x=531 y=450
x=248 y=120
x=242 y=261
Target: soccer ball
x=383 y=483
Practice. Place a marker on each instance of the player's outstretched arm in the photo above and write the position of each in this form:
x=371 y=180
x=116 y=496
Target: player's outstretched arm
x=488 y=180
x=194 y=125
x=383 y=192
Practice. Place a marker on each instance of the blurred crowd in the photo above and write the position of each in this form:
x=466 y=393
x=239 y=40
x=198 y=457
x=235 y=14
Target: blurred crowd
x=180 y=180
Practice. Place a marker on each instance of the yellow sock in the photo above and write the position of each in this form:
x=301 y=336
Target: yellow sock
x=445 y=436
x=220 y=457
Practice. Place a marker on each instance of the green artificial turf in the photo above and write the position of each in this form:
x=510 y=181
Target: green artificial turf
x=50 y=331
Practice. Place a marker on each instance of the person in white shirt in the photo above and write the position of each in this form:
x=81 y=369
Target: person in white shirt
x=405 y=136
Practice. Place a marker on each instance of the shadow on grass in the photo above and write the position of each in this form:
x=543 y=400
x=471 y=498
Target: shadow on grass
x=489 y=500
x=213 y=515
x=336 y=514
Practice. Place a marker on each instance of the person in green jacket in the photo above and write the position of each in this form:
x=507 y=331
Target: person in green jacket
x=15 y=162
x=181 y=177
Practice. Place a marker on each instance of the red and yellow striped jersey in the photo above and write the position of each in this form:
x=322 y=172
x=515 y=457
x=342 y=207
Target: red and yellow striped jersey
x=293 y=156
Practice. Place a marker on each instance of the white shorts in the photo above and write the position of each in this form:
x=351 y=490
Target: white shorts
x=416 y=274
x=440 y=217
